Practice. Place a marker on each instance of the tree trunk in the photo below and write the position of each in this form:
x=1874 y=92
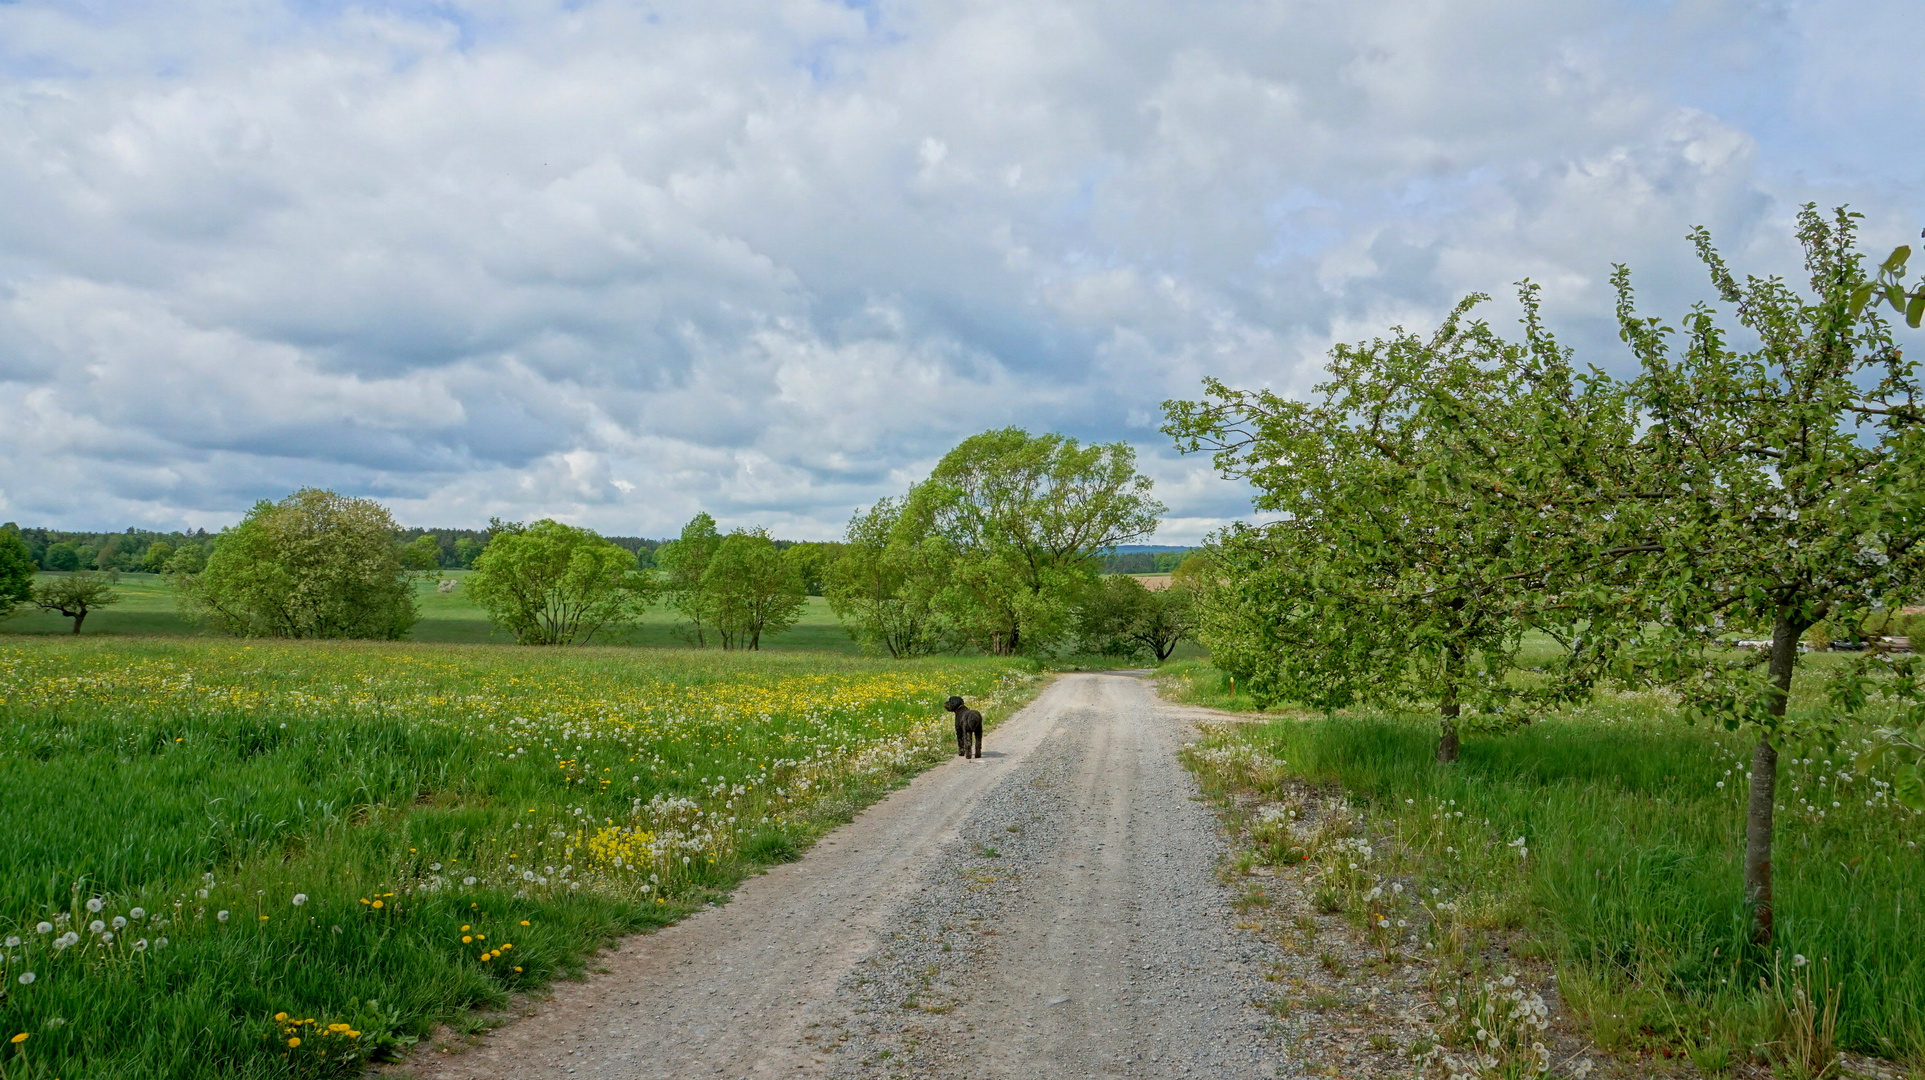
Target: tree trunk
x=78 y=619
x=1447 y=710
x=1447 y=732
x=1763 y=797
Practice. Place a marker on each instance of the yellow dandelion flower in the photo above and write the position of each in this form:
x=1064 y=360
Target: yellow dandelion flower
x=378 y=903
x=293 y=1041
x=280 y=1016
x=465 y=939
x=18 y=1039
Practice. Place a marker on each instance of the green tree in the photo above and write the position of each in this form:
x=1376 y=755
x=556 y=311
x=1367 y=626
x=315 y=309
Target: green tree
x=1120 y=616
x=884 y=582
x=1781 y=487
x=62 y=557
x=751 y=589
x=555 y=584
x=76 y=594
x=813 y=561
x=154 y=559
x=188 y=560
x=686 y=560
x=315 y=564
x=16 y=569
x=1027 y=517
x=421 y=553
x=467 y=550
x=1407 y=558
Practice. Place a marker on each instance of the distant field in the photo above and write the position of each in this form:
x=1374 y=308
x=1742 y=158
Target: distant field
x=149 y=608
x=210 y=841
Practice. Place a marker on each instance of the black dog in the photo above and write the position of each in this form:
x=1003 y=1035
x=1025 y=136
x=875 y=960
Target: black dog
x=969 y=728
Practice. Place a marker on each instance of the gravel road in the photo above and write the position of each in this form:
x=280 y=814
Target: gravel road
x=1049 y=910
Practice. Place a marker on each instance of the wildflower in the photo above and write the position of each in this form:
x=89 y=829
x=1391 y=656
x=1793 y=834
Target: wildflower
x=141 y=945
x=293 y=1041
x=13 y=941
x=138 y=913
x=1798 y=960
x=300 y=898
x=160 y=943
x=434 y=866
x=281 y=1016
x=95 y=904
x=96 y=926
x=221 y=915
x=119 y=922
x=44 y=928
x=107 y=939
x=469 y=880
x=377 y=905
x=27 y=978
x=18 y=1039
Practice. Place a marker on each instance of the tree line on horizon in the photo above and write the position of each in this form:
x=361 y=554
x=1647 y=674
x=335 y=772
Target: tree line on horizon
x=1003 y=550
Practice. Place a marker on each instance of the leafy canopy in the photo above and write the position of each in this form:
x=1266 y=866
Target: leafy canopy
x=555 y=584
x=314 y=565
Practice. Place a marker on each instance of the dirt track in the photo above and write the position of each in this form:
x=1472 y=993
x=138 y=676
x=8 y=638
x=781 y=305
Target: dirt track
x=1049 y=910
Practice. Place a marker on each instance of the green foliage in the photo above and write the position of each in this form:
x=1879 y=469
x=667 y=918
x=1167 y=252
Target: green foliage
x=813 y=563
x=421 y=553
x=1409 y=552
x=555 y=584
x=884 y=584
x=62 y=557
x=750 y=588
x=154 y=559
x=1119 y=616
x=1026 y=518
x=189 y=560
x=315 y=564
x=74 y=595
x=467 y=550
x=16 y=569
x=686 y=559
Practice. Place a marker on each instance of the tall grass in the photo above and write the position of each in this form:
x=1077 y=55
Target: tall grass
x=456 y=823
x=1634 y=827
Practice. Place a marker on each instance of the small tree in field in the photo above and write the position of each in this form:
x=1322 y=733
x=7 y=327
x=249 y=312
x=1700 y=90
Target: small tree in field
x=555 y=584
x=75 y=595
x=752 y=589
x=1782 y=485
x=315 y=564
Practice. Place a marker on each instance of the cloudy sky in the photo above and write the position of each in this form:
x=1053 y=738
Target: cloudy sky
x=616 y=262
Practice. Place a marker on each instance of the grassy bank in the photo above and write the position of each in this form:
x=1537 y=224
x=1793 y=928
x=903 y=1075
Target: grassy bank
x=1609 y=842
x=203 y=836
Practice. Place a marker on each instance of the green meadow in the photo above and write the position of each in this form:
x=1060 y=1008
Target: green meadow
x=235 y=858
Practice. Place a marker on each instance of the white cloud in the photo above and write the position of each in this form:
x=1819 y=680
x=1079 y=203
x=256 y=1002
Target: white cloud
x=619 y=264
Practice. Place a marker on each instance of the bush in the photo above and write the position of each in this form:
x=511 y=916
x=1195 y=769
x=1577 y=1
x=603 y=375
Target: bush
x=314 y=565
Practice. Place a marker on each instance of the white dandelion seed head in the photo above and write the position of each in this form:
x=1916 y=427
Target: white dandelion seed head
x=13 y=941
x=119 y=922
x=96 y=926
x=160 y=943
x=27 y=978
x=141 y=945
x=1798 y=960
x=137 y=913
x=107 y=938
x=221 y=915
x=469 y=880
x=300 y=898
x=95 y=904
x=44 y=928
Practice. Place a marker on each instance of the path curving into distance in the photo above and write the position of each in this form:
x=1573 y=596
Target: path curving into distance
x=1050 y=910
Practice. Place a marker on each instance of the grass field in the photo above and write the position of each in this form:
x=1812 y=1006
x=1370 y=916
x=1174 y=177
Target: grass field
x=250 y=859
x=1633 y=825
